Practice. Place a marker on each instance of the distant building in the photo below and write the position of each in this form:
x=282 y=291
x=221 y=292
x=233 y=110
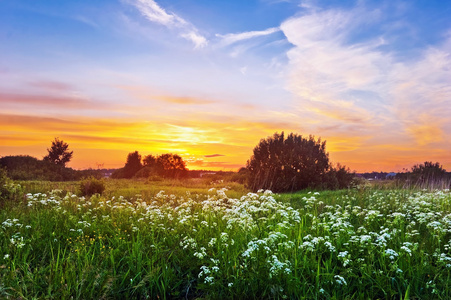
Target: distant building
x=390 y=175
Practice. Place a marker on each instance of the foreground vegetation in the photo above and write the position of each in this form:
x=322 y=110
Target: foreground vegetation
x=204 y=243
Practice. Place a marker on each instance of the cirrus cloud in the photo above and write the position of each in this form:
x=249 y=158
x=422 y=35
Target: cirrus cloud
x=155 y=13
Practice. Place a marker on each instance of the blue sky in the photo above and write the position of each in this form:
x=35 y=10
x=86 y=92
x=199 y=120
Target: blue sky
x=214 y=77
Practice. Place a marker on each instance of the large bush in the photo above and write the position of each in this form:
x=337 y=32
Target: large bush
x=292 y=163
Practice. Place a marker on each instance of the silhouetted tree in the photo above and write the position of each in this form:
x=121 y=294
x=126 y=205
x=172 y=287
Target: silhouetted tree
x=59 y=153
x=149 y=160
x=171 y=165
x=132 y=165
x=288 y=164
x=165 y=165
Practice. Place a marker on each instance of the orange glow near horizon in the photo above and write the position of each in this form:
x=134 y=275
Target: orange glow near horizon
x=202 y=144
x=104 y=143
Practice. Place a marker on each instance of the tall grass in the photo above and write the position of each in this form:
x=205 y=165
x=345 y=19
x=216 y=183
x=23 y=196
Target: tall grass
x=132 y=189
x=353 y=244
x=427 y=184
x=430 y=184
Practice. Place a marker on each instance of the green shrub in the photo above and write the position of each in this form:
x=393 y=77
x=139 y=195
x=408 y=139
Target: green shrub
x=9 y=191
x=91 y=186
x=24 y=167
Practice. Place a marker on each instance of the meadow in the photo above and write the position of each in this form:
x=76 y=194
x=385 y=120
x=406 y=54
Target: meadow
x=216 y=240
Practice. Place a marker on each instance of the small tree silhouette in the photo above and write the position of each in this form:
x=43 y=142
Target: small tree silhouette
x=59 y=153
x=132 y=165
x=171 y=165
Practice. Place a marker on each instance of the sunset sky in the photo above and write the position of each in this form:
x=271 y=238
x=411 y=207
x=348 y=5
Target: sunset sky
x=208 y=79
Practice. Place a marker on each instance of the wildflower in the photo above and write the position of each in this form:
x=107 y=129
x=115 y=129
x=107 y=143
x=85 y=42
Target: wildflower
x=209 y=279
x=212 y=242
x=224 y=237
x=392 y=253
x=278 y=267
x=205 y=270
x=201 y=254
x=340 y=280
x=343 y=254
x=6 y=256
x=215 y=268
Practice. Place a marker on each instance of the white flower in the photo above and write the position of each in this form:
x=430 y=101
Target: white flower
x=215 y=268
x=392 y=253
x=343 y=254
x=212 y=242
x=209 y=279
x=6 y=256
x=340 y=280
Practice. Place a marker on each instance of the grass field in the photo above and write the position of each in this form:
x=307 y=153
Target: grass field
x=206 y=241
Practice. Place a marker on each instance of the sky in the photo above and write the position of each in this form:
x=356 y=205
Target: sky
x=208 y=79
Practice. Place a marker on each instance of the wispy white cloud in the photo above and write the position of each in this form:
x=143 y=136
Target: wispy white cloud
x=155 y=13
x=324 y=70
x=198 y=40
x=86 y=21
x=232 y=38
x=340 y=83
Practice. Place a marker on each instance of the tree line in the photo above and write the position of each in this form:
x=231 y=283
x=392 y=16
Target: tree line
x=51 y=168
x=280 y=163
x=165 y=165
